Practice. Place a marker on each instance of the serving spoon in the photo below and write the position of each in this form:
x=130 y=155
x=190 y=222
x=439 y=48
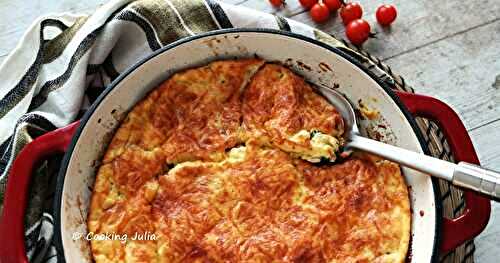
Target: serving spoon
x=463 y=174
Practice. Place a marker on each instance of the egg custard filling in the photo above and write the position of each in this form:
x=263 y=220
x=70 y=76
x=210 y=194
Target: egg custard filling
x=218 y=164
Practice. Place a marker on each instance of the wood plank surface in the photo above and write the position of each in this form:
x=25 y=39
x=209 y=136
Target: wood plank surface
x=419 y=22
x=446 y=49
x=485 y=136
x=487 y=142
x=461 y=70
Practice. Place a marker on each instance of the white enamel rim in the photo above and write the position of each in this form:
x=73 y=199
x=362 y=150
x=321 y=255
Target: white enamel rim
x=79 y=165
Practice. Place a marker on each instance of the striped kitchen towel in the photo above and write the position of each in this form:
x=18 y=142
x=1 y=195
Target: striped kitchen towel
x=63 y=62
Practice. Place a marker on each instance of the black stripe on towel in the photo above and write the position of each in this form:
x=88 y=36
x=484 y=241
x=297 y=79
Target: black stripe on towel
x=23 y=87
x=109 y=68
x=58 y=82
x=54 y=47
x=92 y=69
x=163 y=18
x=282 y=23
x=34 y=119
x=145 y=26
x=56 y=23
x=219 y=14
x=3 y=152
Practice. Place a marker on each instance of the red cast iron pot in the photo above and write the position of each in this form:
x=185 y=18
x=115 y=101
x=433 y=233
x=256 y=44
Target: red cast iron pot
x=85 y=141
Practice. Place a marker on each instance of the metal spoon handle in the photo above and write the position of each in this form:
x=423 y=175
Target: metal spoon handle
x=478 y=179
x=463 y=174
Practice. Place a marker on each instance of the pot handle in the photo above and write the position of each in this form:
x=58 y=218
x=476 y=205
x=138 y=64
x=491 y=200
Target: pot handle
x=16 y=193
x=477 y=208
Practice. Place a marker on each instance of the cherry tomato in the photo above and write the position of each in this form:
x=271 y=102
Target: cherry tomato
x=333 y=5
x=358 y=31
x=319 y=13
x=350 y=12
x=386 y=14
x=307 y=4
x=277 y=3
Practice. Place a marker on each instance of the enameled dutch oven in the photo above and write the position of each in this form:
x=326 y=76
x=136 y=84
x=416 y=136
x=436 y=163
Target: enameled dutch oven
x=85 y=141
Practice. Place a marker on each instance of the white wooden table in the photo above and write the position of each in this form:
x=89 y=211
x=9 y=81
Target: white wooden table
x=447 y=49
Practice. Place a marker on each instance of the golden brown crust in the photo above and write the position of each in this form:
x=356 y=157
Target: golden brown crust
x=268 y=207
x=207 y=106
x=368 y=199
x=258 y=203
x=194 y=115
x=278 y=105
x=277 y=95
x=127 y=216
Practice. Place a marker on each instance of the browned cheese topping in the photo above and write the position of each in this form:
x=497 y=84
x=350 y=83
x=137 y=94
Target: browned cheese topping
x=242 y=137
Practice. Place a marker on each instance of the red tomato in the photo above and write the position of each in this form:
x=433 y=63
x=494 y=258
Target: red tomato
x=319 y=13
x=350 y=12
x=308 y=3
x=333 y=5
x=386 y=14
x=358 y=31
x=277 y=3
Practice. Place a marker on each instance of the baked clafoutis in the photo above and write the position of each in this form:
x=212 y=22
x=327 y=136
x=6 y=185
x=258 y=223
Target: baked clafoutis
x=235 y=161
